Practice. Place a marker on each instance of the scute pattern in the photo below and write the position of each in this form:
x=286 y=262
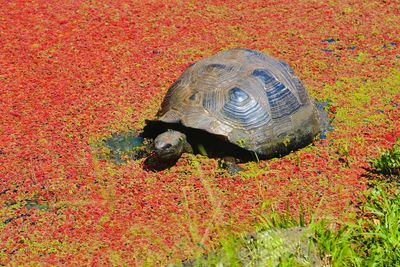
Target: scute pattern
x=217 y=66
x=212 y=101
x=238 y=95
x=253 y=53
x=296 y=83
x=244 y=110
x=264 y=75
x=242 y=94
x=281 y=100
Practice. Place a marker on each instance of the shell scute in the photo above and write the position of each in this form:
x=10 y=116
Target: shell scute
x=244 y=111
x=281 y=100
x=264 y=75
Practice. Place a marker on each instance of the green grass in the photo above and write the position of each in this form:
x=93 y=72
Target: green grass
x=373 y=240
x=389 y=161
x=379 y=235
x=279 y=240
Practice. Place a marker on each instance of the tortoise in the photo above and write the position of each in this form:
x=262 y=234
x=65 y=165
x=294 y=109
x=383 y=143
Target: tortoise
x=239 y=104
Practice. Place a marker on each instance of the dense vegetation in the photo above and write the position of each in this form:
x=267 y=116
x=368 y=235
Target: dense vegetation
x=73 y=73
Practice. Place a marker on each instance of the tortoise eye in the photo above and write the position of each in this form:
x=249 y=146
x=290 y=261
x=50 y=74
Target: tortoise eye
x=167 y=146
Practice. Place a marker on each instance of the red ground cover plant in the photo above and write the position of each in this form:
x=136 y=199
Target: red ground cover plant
x=74 y=72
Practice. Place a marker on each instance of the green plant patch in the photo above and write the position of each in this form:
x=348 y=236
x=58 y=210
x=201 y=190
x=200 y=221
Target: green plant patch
x=389 y=161
x=282 y=240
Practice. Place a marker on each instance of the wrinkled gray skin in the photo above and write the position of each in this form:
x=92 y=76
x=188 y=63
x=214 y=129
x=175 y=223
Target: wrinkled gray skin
x=170 y=145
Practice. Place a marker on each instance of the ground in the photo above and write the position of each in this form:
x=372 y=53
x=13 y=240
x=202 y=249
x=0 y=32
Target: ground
x=75 y=72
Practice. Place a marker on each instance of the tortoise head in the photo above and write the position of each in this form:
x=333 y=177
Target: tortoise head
x=170 y=145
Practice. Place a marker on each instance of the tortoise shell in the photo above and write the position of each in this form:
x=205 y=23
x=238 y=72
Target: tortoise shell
x=250 y=99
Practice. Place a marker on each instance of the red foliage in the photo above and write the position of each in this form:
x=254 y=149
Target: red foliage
x=74 y=71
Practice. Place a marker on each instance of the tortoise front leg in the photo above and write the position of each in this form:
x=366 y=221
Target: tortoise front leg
x=230 y=164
